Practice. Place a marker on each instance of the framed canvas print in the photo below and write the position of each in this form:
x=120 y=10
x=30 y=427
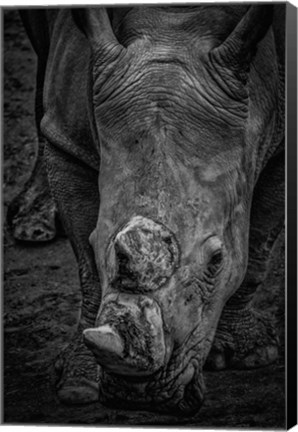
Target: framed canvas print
x=149 y=215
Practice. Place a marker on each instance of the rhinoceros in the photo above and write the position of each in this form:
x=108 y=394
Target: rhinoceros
x=164 y=131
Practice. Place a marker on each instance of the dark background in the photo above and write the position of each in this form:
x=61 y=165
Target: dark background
x=41 y=299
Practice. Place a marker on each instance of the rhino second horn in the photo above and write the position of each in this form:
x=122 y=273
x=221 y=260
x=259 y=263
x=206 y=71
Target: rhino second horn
x=145 y=255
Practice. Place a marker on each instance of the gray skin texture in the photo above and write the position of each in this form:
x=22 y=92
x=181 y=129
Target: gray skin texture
x=165 y=131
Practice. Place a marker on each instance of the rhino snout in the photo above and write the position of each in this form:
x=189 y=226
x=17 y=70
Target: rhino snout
x=129 y=339
x=143 y=256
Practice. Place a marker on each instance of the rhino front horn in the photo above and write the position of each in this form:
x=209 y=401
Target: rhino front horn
x=106 y=345
x=129 y=339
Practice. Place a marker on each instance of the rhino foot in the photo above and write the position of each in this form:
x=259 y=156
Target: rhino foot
x=32 y=215
x=77 y=374
x=244 y=340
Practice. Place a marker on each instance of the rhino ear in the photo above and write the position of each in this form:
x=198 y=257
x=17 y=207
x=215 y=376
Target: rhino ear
x=95 y=24
x=237 y=51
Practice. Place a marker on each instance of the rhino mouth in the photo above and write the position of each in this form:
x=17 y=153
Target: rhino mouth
x=140 y=367
x=178 y=392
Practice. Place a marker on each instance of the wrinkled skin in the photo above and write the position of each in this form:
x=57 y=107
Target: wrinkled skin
x=169 y=117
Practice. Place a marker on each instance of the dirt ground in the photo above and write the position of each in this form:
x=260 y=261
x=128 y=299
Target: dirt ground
x=41 y=299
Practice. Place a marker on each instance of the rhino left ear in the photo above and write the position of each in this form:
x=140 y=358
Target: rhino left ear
x=237 y=51
x=95 y=24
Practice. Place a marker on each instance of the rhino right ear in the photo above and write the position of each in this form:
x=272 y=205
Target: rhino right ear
x=95 y=24
x=237 y=51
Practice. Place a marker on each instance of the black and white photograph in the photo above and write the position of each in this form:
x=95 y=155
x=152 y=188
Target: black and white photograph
x=144 y=215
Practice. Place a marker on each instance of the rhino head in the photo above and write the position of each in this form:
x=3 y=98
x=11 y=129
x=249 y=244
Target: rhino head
x=181 y=137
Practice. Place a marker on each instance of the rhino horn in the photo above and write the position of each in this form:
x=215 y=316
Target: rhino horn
x=95 y=24
x=238 y=49
x=103 y=341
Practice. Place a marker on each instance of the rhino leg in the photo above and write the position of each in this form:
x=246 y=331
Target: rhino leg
x=32 y=214
x=76 y=373
x=77 y=198
x=247 y=337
